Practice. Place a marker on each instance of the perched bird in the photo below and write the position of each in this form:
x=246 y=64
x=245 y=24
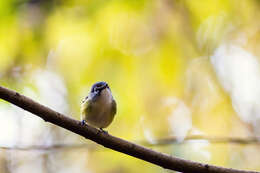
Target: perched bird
x=99 y=107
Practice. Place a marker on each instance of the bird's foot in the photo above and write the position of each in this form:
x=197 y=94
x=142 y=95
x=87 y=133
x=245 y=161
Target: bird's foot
x=83 y=122
x=102 y=130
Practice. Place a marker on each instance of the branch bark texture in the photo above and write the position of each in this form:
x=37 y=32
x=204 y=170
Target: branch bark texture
x=109 y=141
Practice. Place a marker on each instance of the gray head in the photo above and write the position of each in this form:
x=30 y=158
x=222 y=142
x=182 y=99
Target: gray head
x=98 y=89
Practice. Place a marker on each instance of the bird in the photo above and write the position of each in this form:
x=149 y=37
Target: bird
x=98 y=109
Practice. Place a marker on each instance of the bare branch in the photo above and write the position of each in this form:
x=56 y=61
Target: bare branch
x=202 y=138
x=50 y=148
x=159 y=142
x=109 y=141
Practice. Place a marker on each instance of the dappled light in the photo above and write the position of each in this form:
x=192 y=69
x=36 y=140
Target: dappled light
x=175 y=68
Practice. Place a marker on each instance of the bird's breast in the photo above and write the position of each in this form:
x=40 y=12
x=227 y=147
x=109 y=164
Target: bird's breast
x=101 y=114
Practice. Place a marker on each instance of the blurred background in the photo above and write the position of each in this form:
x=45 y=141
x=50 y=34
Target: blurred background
x=176 y=68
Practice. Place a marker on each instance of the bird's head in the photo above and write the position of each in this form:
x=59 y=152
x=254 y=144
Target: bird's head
x=99 y=86
x=100 y=89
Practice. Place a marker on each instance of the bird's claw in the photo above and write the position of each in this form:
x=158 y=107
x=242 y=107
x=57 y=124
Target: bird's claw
x=102 y=130
x=83 y=122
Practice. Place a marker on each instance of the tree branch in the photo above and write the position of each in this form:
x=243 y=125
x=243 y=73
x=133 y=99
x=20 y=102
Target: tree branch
x=109 y=141
x=202 y=138
x=50 y=148
x=158 y=142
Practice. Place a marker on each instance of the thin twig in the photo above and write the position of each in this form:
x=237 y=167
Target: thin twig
x=159 y=142
x=49 y=148
x=202 y=138
x=109 y=141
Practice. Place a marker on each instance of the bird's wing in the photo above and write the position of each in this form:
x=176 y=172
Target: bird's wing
x=114 y=109
x=86 y=107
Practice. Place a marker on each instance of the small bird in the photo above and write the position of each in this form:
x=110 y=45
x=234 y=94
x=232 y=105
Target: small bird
x=99 y=107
